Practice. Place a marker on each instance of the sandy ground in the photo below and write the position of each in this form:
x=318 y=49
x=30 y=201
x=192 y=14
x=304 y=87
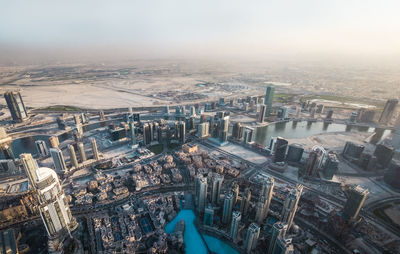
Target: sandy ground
x=244 y=153
x=394 y=213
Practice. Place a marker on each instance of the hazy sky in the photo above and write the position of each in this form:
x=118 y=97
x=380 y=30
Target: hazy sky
x=231 y=27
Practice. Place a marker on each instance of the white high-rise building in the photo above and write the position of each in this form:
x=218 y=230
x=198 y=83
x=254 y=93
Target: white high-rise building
x=53 y=205
x=252 y=237
x=267 y=192
x=290 y=205
x=72 y=156
x=203 y=130
x=236 y=217
x=96 y=155
x=216 y=185
x=81 y=148
x=58 y=160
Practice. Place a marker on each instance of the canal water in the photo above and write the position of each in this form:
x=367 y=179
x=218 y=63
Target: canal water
x=192 y=238
x=304 y=129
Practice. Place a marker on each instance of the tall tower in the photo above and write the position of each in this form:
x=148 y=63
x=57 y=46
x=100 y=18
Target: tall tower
x=388 y=111
x=278 y=230
x=252 y=237
x=228 y=206
x=356 y=198
x=201 y=193
x=72 y=156
x=236 y=217
x=41 y=148
x=182 y=132
x=58 y=160
x=53 y=204
x=260 y=211
x=269 y=97
x=96 y=154
x=280 y=149
x=261 y=116
x=16 y=106
x=247 y=198
x=235 y=190
x=283 y=246
x=81 y=148
x=5 y=144
x=216 y=185
x=290 y=205
x=133 y=134
x=267 y=192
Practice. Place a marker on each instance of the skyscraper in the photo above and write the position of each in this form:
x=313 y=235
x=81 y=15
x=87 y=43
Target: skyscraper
x=41 y=148
x=208 y=216
x=81 y=148
x=236 y=217
x=216 y=185
x=132 y=132
x=267 y=192
x=72 y=156
x=280 y=149
x=228 y=206
x=202 y=130
x=53 y=204
x=182 y=132
x=269 y=97
x=260 y=211
x=331 y=165
x=283 y=246
x=290 y=205
x=237 y=131
x=396 y=138
x=16 y=106
x=252 y=237
x=201 y=193
x=356 y=198
x=96 y=154
x=278 y=230
x=146 y=134
x=261 y=116
x=235 y=190
x=246 y=201
x=388 y=111
x=58 y=160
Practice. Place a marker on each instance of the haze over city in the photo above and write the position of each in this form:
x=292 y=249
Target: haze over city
x=228 y=127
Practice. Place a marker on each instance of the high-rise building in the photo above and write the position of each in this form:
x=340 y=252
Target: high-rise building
x=16 y=106
x=267 y=192
x=216 y=186
x=246 y=201
x=132 y=132
x=54 y=142
x=290 y=205
x=356 y=198
x=228 y=206
x=237 y=131
x=8 y=243
x=41 y=148
x=101 y=115
x=278 y=231
x=95 y=151
x=280 y=149
x=384 y=154
x=235 y=190
x=260 y=211
x=201 y=193
x=53 y=204
x=331 y=165
x=269 y=97
x=252 y=237
x=58 y=160
x=81 y=149
x=182 y=132
x=329 y=115
x=146 y=134
x=261 y=116
x=295 y=153
x=224 y=127
x=236 y=217
x=72 y=156
x=388 y=111
x=202 y=130
x=208 y=216
x=283 y=113
x=313 y=164
x=283 y=246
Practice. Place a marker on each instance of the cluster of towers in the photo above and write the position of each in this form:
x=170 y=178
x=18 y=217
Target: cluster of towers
x=234 y=206
x=53 y=204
